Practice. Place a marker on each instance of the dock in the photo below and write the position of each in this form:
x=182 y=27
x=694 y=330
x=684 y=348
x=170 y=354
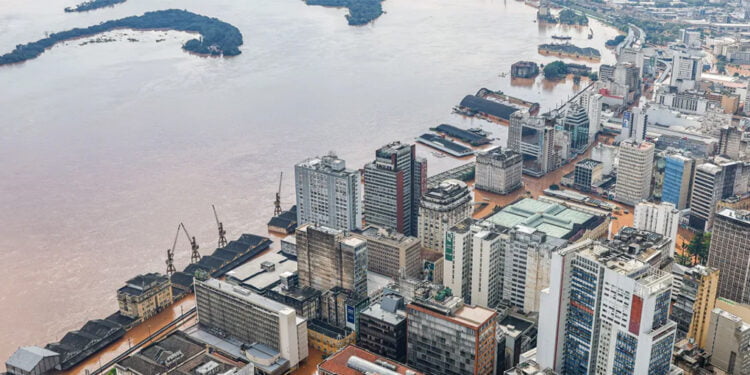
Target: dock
x=444 y=145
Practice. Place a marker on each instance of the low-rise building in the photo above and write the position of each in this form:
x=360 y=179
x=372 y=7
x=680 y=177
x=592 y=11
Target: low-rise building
x=327 y=338
x=382 y=328
x=32 y=360
x=353 y=360
x=587 y=173
x=144 y=296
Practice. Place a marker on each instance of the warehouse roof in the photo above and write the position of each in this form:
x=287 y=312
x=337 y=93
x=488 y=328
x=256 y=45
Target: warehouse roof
x=489 y=107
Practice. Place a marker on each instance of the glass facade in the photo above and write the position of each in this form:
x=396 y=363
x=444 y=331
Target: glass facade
x=673 y=174
x=625 y=350
x=579 y=327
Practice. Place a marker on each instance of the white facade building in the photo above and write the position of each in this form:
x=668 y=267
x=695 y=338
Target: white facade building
x=634 y=172
x=327 y=193
x=661 y=218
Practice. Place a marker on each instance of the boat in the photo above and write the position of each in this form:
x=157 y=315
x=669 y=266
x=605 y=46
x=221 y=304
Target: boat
x=561 y=37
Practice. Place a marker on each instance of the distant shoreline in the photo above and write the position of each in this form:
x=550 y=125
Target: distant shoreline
x=93 y=5
x=218 y=38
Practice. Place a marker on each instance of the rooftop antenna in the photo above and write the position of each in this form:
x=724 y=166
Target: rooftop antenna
x=170 y=254
x=195 y=256
x=277 y=202
x=222 y=232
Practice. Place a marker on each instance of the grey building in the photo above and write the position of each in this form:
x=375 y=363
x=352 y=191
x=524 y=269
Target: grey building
x=729 y=343
x=32 y=360
x=328 y=193
x=634 y=172
x=394 y=182
x=391 y=253
x=498 y=171
x=329 y=258
x=382 y=328
x=576 y=123
x=588 y=172
x=441 y=207
x=730 y=254
x=305 y=300
x=713 y=182
x=534 y=138
x=251 y=318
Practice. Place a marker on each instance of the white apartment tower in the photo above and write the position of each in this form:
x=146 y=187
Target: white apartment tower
x=328 y=194
x=634 y=172
x=661 y=218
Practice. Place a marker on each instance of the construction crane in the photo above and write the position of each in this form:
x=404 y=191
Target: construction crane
x=195 y=256
x=277 y=202
x=222 y=232
x=170 y=254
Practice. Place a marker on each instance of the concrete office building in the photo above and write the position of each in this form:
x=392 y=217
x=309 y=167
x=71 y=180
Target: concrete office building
x=448 y=337
x=730 y=254
x=730 y=141
x=587 y=173
x=678 y=179
x=729 y=343
x=498 y=171
x=634 y=172
x=328 y=258
x=457 y=259
x=713 y=182
x=391 y=253
x=605 y=312
x=686 y=70
x=576 y=123
x=606 y=155
x=394 y=183
x=694 y=302
x=328 y=193
x=533 y=138
x=592 y=101
x=382 y=328
x=634 y=125
x=251 y=318
x=441 y=207
x=661 y=218
x=144 y=296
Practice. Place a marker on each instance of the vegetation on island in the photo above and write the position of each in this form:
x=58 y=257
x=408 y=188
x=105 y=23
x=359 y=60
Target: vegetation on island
x=217 y=37
x=571 y=17
x=555 y=70
x=93 y=4
x=361 y=12
x=570 y=50
x=615 y=41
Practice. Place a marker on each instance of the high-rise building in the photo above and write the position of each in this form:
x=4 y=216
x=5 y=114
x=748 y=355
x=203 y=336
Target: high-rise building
x=730 y=253
x=382 y=328
x=605 y=312
x=329 y=258
x=592 y=101
x=661 y=218
x=587 y=172
x=713 y=182
x=634 y=172
x=440 y=208
x=448 y=337
x=328 y=193
x=729 y=342
x=394 y=183
x=576 y=123
x=457 y=259
x=730 y=140
x=694 y=302
x=678 y=178
x=606 y=155
x=498 y=171
x=634 y=125
x=250 y=318
x=533 y=138
x=391 y=253
x=686 y=70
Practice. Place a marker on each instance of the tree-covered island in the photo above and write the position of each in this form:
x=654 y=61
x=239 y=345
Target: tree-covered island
x=218 y=38
x=361 y=12
x=93 y=4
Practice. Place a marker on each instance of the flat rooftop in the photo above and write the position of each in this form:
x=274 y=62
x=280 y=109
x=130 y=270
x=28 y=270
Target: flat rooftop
x=339 y=363
x=245 y=294
x=553 y=219
x=253 y=274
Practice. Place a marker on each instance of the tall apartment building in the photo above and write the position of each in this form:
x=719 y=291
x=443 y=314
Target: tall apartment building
x=729 y=343
x=448 y=337
x=661 y=218
x=686 y=71
x=441 y=207
x=382 y=328
x=678 y=178
x=693 y=303
x=328 y=193
x=457 y=259
x=730 y=253
x=533 y=138
x=329 y=258
x=730 y=141
x=250 y=318
x=498 y=171
x=394 y=183
x=605 y=312
x=592 y=101
x=144 y=296
x=634 y=172
x=634 y=125
x=391 y=253
x=576 y=123
x=712 y=183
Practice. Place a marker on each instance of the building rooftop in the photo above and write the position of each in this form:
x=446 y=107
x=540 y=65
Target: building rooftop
x=489 y=107
x=246 y=295
x=330 y=164
x=553 y=219
x=341 y=363
x=588 y=163
x=446 y=192
x=453 y=308
x=28 y=357
x=388 y=310
x=262 y=273
x=742 y=216
x=387 y=235
x=328 y=330
x=142 y=283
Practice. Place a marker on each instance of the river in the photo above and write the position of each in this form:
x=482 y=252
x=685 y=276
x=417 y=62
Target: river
x=106 y=147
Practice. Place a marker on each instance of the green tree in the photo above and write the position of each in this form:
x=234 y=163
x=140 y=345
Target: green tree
x=698 y=247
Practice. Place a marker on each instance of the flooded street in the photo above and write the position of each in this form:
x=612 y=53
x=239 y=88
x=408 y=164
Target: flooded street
x=106 y=147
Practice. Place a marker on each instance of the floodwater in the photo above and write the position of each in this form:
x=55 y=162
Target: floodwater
x=106 y=147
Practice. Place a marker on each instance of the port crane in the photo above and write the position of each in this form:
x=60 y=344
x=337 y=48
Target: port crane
x=195 y=256
x=277 y=202
x=170 y=254
x=222 y=232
